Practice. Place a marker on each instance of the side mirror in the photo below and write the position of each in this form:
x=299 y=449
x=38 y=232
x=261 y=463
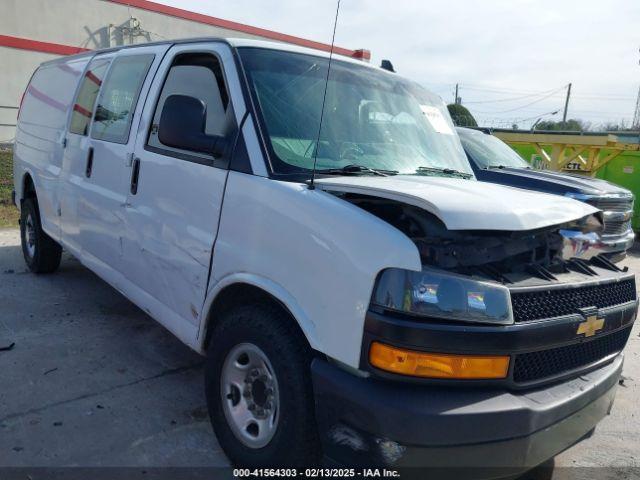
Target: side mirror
x=182 y=125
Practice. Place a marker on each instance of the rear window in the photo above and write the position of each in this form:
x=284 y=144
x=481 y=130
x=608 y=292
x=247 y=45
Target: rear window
x=118 y=98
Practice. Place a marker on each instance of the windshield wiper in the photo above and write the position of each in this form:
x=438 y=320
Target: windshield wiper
x=355 y=169
x=443 y=171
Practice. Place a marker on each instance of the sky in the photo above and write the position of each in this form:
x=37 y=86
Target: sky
x=511 y=58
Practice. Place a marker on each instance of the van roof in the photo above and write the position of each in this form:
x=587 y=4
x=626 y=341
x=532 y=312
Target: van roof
x=233 y=42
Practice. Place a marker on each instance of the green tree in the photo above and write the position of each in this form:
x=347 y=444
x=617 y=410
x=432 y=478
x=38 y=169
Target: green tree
x=461 y=116
x=621 y=126
x=572 y=125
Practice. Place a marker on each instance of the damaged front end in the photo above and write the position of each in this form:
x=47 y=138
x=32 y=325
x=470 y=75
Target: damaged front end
x=506 y=339
x=494 y=254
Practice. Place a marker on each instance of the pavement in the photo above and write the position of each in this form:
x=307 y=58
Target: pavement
x=93 y=381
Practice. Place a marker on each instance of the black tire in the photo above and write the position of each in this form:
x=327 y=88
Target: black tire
x=41 y=253
x=295 y=441
x=541 y=472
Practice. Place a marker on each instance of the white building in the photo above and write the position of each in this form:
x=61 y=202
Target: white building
x=33 y=31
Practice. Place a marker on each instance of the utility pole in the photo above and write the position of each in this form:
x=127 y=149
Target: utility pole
x=566 y=105
x=636 y=115
x=455 y=99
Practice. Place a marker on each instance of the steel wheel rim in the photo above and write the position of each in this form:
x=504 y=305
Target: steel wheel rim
x=30 y=236
x=250 y=397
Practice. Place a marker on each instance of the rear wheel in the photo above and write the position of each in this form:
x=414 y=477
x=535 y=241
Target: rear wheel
x=258 y=387
x=41 y=253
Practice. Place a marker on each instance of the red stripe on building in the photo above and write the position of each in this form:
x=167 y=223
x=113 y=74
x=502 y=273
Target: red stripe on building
x=82 y=111
x=43 y=97
x=66 y=68
x=91 y=76
x=36 y=46
x=60 y=49
x=238 y=27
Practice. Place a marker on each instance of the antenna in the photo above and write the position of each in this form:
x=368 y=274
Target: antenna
x=312 y=184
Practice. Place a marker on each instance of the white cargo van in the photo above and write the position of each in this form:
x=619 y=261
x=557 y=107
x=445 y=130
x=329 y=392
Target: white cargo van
x=392 y=312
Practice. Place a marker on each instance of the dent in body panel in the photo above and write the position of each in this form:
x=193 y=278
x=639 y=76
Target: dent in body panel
x=466 y=204
x=323 y=251
x=172 y=223
x=172 y=266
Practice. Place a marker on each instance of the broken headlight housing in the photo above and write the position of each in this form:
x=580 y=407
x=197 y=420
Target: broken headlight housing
x=437 y=294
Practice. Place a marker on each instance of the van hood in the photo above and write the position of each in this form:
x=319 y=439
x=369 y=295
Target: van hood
x=467 y=204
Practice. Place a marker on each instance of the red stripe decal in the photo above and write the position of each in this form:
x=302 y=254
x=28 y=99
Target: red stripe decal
x=228 y=24
x=36 y=46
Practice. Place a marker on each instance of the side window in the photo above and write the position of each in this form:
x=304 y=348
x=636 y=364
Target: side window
x=86 y=98
x=196 y=75
x=118 y=98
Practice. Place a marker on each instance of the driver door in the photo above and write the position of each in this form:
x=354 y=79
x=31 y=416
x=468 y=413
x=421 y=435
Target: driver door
x=175 y=196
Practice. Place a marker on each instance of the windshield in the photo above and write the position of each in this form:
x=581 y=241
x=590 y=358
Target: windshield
x=489 y=151
x=372 y=119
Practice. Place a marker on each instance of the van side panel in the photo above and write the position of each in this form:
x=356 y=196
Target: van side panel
x=314 y=252
x=42 y=123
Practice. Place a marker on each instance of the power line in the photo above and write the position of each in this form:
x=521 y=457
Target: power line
x=526 y=105
x=524 y=93
x=496 y=89
x=499 y=100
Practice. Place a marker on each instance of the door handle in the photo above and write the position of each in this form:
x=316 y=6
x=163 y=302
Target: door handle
x=135 y=173
x=89 y=167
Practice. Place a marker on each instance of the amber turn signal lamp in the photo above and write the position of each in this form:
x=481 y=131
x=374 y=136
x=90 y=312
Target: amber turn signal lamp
x=437 y=365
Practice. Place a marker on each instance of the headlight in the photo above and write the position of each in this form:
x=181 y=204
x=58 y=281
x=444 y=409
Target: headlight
x=432 y=293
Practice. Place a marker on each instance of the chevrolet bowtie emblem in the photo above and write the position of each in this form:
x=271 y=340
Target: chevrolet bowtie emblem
x=590 y=326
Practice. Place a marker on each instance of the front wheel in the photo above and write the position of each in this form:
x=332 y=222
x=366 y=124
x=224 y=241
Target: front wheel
x=259 y=392
x=41 y=252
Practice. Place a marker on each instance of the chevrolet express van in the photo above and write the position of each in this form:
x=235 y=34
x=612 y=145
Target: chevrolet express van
x=393 y=311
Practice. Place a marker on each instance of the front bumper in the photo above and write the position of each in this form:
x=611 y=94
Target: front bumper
x=617 y=244
x=373 y=422
x=613 y=246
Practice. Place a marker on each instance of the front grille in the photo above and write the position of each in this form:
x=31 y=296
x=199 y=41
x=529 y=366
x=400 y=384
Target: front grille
x=557 y=302
x=530 y=367
x=616 y=227
x=612 y=204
